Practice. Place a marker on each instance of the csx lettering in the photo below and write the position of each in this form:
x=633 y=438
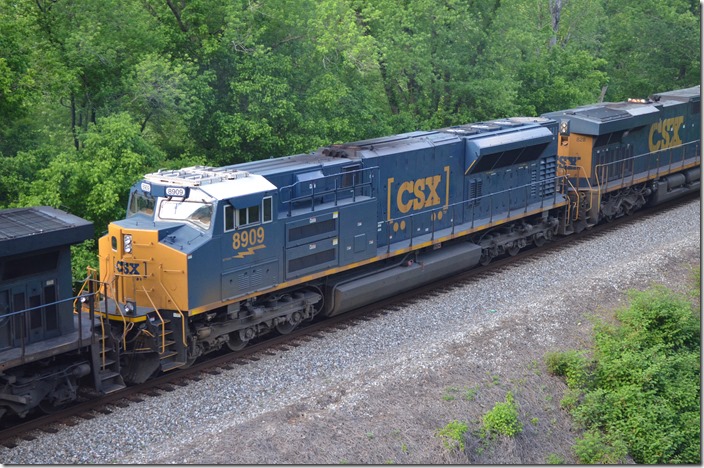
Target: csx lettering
x=247 y=238
x=568 y=161
x=660 y=136
x=127 y=268
x=423 y=194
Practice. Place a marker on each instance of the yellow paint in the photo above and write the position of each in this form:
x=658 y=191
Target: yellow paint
x=447 y=186
x=388 y=198
x=574 y=152
x=249 y=251
x=151 y=273
x=665 y=134
x=418 y=194
x=250 y=239
x=470 y=166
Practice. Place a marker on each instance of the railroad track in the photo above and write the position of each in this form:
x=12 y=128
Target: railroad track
x=95 y=405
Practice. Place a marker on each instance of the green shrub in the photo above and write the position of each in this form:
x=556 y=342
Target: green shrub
x=594 y=448
x=573 y=365
x=641 y=393
x=554 y=459
x=452 y=435
x=503 y=418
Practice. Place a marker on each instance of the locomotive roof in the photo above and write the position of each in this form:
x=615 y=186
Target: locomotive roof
x=219 y=182
x=419 y=139
x=28 y=229
x=608 y=117
x=692 y=94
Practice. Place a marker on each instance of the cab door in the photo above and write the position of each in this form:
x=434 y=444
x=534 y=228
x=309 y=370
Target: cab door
x=251 y=246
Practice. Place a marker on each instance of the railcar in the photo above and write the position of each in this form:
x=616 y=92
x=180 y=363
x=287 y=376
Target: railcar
x=210 y=257
x=45 y=349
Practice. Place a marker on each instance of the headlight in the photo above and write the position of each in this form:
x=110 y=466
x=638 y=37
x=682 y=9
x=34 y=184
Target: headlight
x=127 y=243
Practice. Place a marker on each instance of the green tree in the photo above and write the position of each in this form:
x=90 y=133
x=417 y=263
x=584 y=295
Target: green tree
x=652 y=46
x=95 y=180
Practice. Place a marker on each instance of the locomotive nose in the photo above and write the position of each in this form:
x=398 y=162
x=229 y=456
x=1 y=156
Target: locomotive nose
x=142 y=273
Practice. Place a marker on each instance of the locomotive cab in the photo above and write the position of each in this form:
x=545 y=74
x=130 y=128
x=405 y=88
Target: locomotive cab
x=195 y=219
x=192 y=239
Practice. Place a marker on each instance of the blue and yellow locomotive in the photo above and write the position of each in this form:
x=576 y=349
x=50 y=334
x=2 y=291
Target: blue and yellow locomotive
x=211 y=257
x=214 y=257
x=620 y=156
x=217 y=256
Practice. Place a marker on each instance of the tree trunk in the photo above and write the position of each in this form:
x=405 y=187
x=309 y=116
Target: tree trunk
x=555 y=10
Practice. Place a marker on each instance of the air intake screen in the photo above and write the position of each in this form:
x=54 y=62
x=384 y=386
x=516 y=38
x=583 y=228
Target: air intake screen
x=310 y=230
x=311 y=260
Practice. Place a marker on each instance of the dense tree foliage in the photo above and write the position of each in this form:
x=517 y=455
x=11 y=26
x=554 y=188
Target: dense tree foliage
x=94 y=94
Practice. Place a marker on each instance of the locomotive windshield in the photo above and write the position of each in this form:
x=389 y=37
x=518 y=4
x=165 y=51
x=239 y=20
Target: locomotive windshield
x=194 y=209
x=198 y=213
x=140 y=203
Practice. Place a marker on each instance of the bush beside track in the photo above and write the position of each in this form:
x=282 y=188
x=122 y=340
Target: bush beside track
x=639 y=393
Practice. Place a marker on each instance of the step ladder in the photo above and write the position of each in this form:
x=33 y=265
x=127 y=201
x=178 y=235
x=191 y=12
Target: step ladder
x=105 y=360
x=167 y=329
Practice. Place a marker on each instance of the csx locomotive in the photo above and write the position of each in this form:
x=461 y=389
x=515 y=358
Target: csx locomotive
x=209 y=257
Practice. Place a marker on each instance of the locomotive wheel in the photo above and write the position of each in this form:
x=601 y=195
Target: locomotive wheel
x=513 y=251
x=286 y=327
x=539 y=240
x=485 y=259
x=236 y=343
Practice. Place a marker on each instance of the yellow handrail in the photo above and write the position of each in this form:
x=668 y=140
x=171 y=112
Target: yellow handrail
x=163 y=324
x=579 y=170
x=183 y=317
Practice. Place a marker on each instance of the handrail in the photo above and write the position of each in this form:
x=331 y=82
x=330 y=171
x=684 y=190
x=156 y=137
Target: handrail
x=337 y=189
x=183 y=317
x=95 y=293
x=604 y=167
x=163 y=324
x=470 y=202
x=576 y=189
x=109 y=292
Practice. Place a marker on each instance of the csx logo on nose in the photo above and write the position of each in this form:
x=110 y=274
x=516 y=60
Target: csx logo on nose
x=127 y=268
x=660 y=137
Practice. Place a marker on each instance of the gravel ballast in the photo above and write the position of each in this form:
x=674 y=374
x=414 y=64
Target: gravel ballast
x=390 y=382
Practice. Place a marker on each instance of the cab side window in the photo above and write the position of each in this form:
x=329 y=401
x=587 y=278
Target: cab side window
x=248 y=216
x=242 y=217
x=229 y=218
x=266 y=206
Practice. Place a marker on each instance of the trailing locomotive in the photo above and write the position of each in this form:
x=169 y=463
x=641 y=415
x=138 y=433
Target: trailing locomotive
x=209 y=257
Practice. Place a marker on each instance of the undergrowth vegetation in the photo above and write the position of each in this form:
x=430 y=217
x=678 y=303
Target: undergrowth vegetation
x=502 y=418
x=638 y=391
